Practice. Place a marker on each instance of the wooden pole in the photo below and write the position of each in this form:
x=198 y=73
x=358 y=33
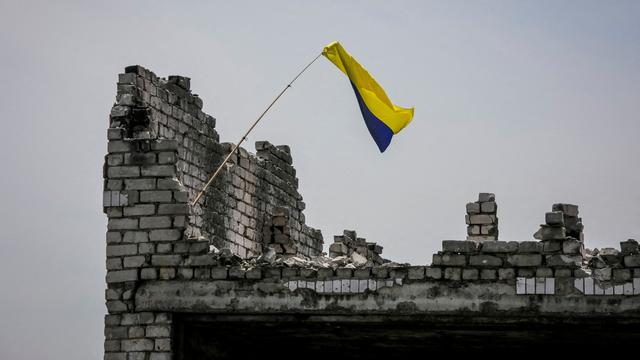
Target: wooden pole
x=244 y=137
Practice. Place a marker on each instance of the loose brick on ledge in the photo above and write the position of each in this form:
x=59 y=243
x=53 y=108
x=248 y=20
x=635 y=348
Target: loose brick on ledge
x=554 y=218
x=459 y=246
x=486 y=197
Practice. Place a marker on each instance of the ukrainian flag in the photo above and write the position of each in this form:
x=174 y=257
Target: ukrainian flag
x=382 y=117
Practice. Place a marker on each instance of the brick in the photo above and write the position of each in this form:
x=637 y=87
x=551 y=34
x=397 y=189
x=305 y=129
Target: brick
x=113 y=237
x=181 y=196
x=148 y=274
x=201 y=260
x=122 y=276
x=167 y=157
x=453 y=260
x=452 y=273
x=563 y=273
x=456 y=246
x=160 y=356
x=488 y=274
x=167 y=273
x=567 y=209
x=165 y=235
x=140 y=158
x=137 y=345
x=506 y=274
x=162 y=345
x=164 y=144
x=629 y=247
x=254 y=273
x=530 y=247
x=481 y=219
x=140 y=210
x=158 y=331
x=488 y=207
x=155 y=196
x=114 y=264
x=115 y=356
x=485 y=261
x=135 y=237
x=470 y=274
x=173 y=209
x=572 y=261
x=236 y=272
x=486 y=197
x=416 y=273
x=473 y=208
x=122 y=250
x=166 y=260
x=551 y=247
x=524 y=260
x=122 y=224
x=140 y=184
x=433 y=273
x=123 y=171
x=364 y=273
x=159 y=170
x=155 y=222
x=572 y=247
x=219 y=273
x=632 y=261
x=119 y=146
x=111 y=345
x=552 y=232
x=168 y=184
x=499 y=247
x=554 y=218
x=621 y=275
x=544 y=272
x=164 y=248
x=133 y=261
x=344 y=272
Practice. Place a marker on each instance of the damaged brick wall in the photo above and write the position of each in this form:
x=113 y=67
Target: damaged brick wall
x=159 y=265
x=239 y=206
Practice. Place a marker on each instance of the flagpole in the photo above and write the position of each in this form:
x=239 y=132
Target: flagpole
x=244 y=137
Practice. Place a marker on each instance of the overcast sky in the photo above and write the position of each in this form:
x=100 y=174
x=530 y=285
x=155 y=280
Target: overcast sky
x=537 y=101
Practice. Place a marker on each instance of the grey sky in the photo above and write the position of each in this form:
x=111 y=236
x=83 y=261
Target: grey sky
x=537 y=101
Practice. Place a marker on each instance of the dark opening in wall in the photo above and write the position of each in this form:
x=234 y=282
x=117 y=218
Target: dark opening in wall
x=391 y=337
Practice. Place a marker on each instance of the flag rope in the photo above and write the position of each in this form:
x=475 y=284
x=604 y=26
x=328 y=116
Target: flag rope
x=244 y=137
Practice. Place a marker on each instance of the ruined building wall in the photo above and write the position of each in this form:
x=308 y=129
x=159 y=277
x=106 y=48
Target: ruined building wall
x=236 y=211
x=161 y=149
